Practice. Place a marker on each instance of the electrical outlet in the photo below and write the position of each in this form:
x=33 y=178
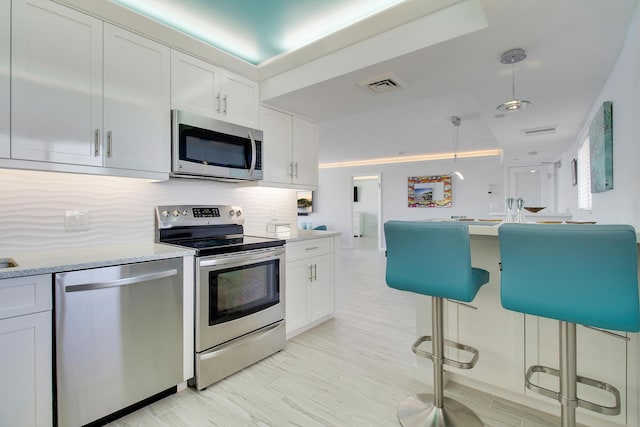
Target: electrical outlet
x=76 y=220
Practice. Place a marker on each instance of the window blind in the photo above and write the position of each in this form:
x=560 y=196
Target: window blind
x=584 y=176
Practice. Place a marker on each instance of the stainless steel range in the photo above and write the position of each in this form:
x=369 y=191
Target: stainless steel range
x=239 y=281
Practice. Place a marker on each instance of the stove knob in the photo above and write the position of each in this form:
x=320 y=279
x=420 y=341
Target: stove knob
x=165 y=214
x=176 y=212
x=238 y=212
x=232 y=212
x=185 y=213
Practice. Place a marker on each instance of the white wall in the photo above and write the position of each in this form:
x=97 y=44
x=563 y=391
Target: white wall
x=622 y=204
x=470 y=196
x=121 y=210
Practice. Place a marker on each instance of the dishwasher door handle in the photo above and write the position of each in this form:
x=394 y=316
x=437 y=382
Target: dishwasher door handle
x=122 y=282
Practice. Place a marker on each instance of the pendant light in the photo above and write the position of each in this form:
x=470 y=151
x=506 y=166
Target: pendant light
x=455 y=121
x=512 y=57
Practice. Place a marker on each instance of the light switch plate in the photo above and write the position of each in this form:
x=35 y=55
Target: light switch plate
x=76 y=220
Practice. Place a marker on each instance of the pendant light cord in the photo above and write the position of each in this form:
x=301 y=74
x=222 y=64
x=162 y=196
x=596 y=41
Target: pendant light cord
x=513 y=80
x=455 y=142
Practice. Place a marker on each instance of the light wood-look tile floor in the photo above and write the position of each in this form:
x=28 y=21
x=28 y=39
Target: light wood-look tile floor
x=350 y=371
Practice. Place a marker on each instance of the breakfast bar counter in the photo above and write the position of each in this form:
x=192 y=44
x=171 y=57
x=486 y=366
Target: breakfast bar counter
x=509 y=342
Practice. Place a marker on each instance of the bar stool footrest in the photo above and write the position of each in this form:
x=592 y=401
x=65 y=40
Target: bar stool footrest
x=605 y=410
x=455 y=363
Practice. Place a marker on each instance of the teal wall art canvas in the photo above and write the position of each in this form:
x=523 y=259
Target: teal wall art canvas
x=601 y=149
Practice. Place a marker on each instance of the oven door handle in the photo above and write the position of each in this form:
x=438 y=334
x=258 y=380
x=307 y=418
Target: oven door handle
x=121 y=282
x=254 y=153
x=240 y=259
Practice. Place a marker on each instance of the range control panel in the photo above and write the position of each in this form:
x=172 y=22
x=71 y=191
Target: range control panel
x=206 y=212
x=190 y=215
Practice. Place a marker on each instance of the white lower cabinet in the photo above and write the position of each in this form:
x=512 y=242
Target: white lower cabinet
x=25 y=352
x=310 y=284
x=496 y=333
x=600 y=357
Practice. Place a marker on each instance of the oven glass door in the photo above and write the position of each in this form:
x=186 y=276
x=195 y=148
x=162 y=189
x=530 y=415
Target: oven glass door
x=237 y=294
x=243 y=290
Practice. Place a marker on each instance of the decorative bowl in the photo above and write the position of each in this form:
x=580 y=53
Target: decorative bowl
x=533 y=209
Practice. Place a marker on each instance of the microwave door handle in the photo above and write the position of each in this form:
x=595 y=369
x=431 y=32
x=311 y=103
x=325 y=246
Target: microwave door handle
x=253 y=154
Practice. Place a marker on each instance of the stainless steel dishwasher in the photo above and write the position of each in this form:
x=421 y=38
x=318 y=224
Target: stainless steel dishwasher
x=119 y=338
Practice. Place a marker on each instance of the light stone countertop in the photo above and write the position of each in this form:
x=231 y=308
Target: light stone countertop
x=491 y=229
x=68 y=259
x=297 y=235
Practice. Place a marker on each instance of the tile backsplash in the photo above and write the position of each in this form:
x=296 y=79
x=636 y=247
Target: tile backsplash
x=121 y=210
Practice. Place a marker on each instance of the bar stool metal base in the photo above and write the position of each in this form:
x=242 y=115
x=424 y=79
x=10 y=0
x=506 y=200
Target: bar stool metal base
x=419 y=411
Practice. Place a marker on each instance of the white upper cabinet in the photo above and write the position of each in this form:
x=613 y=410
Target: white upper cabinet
x=5 y=58
x=56 y=83
x=276 y=151
x=203 y=88
x=194 y=85
x=240 y=99
x=304 y=152
x=137 y=121
x=87 y=93
x=290 y=153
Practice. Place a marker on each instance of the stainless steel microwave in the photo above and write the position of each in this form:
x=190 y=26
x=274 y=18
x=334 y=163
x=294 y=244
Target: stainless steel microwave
x=203 y=147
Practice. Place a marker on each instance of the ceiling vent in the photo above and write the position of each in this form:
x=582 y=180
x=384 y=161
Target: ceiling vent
x=544 y=130
x=382 y=83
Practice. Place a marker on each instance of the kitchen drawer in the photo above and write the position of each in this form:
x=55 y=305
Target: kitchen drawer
x=25 y=295
x=309 y=248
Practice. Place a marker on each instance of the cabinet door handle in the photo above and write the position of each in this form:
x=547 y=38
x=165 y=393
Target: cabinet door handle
x=225 y=103
x=311 y=273
x=109 y=143
x=291 y=170
x=312 y=248
x=296 y=175
x=121 y=282
x=315 y=272
x=96 y=143
x=218 y=99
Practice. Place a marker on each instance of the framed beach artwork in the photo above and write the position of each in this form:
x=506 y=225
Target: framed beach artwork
x=429 y=191
x=601 y=149
x=305 y=203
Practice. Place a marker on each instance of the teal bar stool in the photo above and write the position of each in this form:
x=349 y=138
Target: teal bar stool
x=577 y=274
x=434 y=258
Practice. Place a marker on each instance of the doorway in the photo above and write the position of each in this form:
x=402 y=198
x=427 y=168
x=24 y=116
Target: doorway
x=535 y=184
x=366 y=211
